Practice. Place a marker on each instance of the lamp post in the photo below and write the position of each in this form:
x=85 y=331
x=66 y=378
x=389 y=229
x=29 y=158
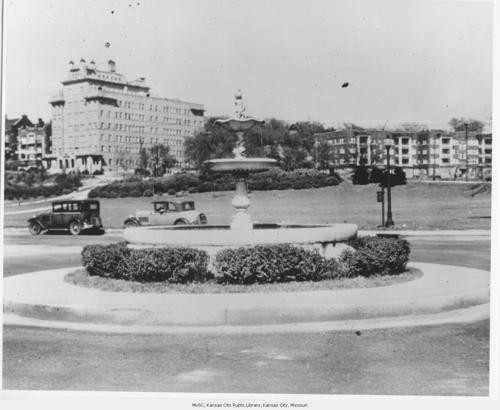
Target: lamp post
x=466 y=125
x=388 y=143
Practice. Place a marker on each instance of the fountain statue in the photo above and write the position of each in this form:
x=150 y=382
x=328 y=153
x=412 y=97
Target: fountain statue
x=328 y=239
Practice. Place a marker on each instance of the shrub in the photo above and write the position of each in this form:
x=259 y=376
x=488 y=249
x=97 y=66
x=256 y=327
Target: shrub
x=268 y=180
x=174 y=265
x=375 y=256
x=272 y=263
x=102 y=260
x=147 y=192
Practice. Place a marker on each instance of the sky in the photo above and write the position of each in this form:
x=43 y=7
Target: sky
x=405 y=61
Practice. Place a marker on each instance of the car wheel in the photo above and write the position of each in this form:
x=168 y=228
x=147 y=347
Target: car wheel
x=35 y=228
x=181 y=222
x=75 y=228
x=131 y=224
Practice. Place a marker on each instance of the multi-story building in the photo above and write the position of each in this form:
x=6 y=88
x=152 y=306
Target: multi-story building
x=428 y=153
x=101 y=120
x=32 y=145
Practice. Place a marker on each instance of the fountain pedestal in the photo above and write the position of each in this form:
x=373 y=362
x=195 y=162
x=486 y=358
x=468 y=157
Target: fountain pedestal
x=241 y=220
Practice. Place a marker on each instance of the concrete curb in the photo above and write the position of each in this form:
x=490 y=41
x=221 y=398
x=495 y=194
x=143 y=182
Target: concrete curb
x=467 y=233
x=468 y=315
x=45 y=296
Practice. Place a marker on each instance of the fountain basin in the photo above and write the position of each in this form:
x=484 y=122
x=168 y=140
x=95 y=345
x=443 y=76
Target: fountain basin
x=241 y=164
x=329 y=240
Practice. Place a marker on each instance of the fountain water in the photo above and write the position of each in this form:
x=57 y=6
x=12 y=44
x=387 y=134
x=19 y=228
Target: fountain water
x=327 y=239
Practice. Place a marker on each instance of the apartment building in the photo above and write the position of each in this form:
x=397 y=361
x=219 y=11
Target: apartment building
x=100 y=121
x=429 y=153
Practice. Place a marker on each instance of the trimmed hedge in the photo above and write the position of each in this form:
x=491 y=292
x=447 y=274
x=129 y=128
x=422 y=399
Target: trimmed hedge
x=102 y=260
x=375 y=256
x=175 y=265
x=276 y=179
x=272 y=263
x=246 y=265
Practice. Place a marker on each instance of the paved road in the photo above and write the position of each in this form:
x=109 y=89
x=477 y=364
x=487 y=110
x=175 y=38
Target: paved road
x=440 y=360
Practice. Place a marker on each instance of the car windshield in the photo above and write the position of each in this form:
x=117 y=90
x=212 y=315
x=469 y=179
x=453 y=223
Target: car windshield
x=92 y=206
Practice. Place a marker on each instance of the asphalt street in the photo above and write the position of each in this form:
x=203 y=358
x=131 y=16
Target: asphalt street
x=430 y=360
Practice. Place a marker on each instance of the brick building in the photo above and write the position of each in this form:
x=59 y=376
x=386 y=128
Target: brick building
x=428 y=153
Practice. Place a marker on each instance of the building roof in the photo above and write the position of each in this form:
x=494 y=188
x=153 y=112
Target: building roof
x=9 y=123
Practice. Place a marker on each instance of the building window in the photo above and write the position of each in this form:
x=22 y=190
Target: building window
x=446 y=151
x=446 y=160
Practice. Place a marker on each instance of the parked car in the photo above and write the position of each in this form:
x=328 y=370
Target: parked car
x=168 y=213
x=72 y=215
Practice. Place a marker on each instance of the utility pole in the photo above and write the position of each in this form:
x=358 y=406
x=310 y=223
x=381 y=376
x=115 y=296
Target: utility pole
x=466 y=125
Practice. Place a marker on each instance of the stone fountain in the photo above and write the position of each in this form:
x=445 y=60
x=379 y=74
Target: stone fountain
x=328 y=239
x=240 y=165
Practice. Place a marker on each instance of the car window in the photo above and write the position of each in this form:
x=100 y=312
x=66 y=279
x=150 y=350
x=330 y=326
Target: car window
x=172 y=207
x=57 y=207
x=75 y=207
x=188 y=206
x=93 y=207
x=159 y=207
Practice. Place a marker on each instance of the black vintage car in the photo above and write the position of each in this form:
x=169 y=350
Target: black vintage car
x=72 y=215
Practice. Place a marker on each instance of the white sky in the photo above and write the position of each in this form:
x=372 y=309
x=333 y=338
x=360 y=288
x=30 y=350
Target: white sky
x=422 y=61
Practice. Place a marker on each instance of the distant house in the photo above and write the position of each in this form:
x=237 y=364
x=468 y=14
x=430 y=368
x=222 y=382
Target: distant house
x=12 y=127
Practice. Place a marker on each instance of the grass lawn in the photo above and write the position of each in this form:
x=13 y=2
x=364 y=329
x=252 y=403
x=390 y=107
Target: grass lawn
x=415 y=206
x=82 y=278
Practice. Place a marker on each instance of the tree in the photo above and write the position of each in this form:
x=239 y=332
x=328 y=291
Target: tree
x=48 y=137
x=159 y=159
x=292 y=158
x=413 y=127
x=143 y=158
x=352 y=126
x=458 y=124
x=323 y=155
x=379 y=176
x=211 y=142
x=125 y=160
x=361 y=176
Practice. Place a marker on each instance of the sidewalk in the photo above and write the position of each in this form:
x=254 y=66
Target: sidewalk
x=47 y=297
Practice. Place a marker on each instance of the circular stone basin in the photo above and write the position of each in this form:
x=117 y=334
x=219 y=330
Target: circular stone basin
x=327 y=239
x=241 y=164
